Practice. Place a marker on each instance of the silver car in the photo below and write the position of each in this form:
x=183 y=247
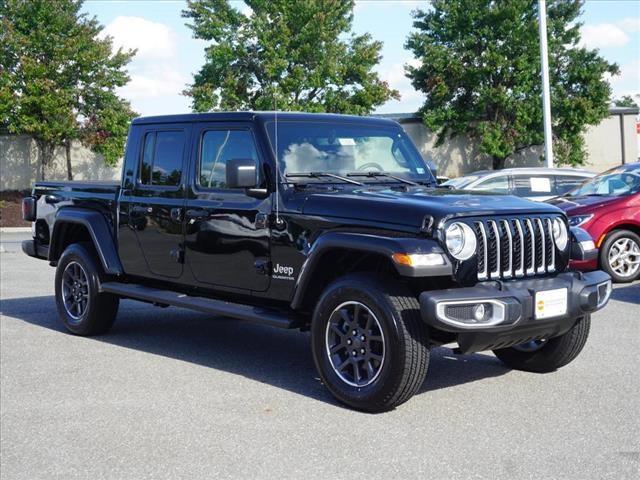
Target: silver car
x=533 y=183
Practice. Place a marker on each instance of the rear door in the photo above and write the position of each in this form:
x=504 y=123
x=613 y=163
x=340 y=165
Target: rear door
x=227 y=236
x=154 y=206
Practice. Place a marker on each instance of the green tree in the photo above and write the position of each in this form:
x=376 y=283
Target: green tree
x=58 y=79
x=480 y=71
x=627 y=101
x=303 y=53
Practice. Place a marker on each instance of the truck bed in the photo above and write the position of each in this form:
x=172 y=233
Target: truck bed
x=99 y=196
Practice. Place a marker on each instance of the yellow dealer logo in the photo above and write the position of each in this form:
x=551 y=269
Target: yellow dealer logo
x=540 y=305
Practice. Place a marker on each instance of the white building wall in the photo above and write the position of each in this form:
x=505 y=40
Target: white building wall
x=19 y=163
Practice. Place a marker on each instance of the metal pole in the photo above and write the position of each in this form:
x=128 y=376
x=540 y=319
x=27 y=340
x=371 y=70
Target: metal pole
x=622 y=142
x=546 y=102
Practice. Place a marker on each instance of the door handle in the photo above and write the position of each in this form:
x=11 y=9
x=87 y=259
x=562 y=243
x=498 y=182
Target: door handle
x=197 y=214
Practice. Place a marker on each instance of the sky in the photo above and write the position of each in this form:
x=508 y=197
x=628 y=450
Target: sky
x=168 y=56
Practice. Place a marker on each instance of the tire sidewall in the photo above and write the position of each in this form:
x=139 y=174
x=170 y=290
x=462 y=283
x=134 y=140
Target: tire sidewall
x=604 y=254
x=79 y=254
x=374 y=298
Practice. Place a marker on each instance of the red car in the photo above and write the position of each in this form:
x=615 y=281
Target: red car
x=608 y=208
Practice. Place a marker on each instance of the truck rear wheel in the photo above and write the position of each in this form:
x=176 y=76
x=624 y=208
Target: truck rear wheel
x=369 y=342
x=547 y=355
x=81 y=307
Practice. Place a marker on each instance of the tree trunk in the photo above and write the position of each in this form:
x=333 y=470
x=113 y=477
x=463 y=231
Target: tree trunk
x=46 y=150
x=67 y=147
x=498 y=163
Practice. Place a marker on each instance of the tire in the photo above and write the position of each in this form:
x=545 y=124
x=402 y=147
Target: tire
x=549 y=355
x=390 y=316
x=82 y=309
x=610 y=248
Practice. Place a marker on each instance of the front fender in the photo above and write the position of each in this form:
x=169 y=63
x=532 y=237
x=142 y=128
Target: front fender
x=98 y=229
x=368 y=243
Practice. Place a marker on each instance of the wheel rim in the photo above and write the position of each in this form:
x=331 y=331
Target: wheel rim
x=531 y=346
x=624 y=257
x=355 y=344
x=75 y=290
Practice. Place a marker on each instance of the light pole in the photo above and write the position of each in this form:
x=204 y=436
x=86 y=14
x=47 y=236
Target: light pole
x=546 y=100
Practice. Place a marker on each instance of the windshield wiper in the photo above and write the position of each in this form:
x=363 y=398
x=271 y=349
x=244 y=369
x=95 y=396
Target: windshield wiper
x=382 y=174
x=320 y=175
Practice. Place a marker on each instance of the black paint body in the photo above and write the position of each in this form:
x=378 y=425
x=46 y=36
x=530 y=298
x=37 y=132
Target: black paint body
x=229 y=243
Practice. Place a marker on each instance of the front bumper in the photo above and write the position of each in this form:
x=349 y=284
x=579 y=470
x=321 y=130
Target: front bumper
x=513 y=320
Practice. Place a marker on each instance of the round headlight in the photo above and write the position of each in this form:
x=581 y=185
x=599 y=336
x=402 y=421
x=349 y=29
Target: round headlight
x=460 y=240
x=560 y=234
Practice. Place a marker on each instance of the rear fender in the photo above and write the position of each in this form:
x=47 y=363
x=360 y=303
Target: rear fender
x=99 y=230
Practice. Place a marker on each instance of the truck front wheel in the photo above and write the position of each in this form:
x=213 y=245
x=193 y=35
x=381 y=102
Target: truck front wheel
x=82 y=308
x=547 y=355
x=369 y=342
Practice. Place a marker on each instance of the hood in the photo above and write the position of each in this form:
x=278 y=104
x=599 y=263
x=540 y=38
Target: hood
x=410 y=207
x=584 y=204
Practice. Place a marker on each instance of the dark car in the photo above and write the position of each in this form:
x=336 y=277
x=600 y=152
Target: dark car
x=327 y=223
x=608 y=208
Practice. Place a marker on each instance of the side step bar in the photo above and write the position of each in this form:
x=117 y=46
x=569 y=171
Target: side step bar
x=250 y=313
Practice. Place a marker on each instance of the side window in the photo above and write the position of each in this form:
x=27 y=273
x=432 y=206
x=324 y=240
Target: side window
x=564 y=183
x=495 y=184
x=162 y=158
x=533 y=186
x=218 y=147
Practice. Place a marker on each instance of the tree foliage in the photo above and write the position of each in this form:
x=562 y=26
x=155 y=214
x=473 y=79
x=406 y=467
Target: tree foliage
x=302 y=53
x=58 y=79
x=627 y=101
x=480 y=71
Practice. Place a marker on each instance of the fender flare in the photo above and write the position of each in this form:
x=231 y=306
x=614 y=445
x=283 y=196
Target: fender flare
x=368 y=243
x=98 y=228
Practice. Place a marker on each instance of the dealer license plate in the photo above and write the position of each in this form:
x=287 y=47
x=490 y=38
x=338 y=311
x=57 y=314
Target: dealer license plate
x=551 y=303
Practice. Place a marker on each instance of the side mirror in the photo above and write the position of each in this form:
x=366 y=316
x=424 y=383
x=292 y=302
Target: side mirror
x=242 y=173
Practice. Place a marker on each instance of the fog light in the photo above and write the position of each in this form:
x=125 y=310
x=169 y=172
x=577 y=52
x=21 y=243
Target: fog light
x=478 y=312
x=469 y=313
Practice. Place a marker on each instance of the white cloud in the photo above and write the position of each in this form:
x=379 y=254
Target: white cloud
x=630 y=24
x=151 y=83
x=603 y=35
x=153 y=40
x=157 y=71
x=410 y=99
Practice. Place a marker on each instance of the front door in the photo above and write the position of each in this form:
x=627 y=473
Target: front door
x=226 y=230
x=155 y=205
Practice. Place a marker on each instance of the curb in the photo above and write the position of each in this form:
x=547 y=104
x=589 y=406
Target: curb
x=15 y=230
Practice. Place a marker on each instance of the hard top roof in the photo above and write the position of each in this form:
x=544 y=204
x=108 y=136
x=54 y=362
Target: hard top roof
x=263 y=116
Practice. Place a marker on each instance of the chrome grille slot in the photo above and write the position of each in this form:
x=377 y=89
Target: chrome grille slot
x=514 y=247
x=481 y=236
x=551 y=266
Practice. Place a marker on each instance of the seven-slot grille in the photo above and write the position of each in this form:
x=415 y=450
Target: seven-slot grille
x=514 y=247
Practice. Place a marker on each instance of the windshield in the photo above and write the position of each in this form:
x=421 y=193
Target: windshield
x=460 y=182
x=346 y=150
x=616 y=182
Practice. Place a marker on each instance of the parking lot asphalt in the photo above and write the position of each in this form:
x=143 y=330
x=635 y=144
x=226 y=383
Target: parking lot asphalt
x=174 y=394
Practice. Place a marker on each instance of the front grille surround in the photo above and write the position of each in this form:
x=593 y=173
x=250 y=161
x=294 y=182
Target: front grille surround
x=516 y=246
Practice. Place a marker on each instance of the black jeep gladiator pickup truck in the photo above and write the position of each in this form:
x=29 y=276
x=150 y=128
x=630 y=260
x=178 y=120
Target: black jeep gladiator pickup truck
x=324 y=222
